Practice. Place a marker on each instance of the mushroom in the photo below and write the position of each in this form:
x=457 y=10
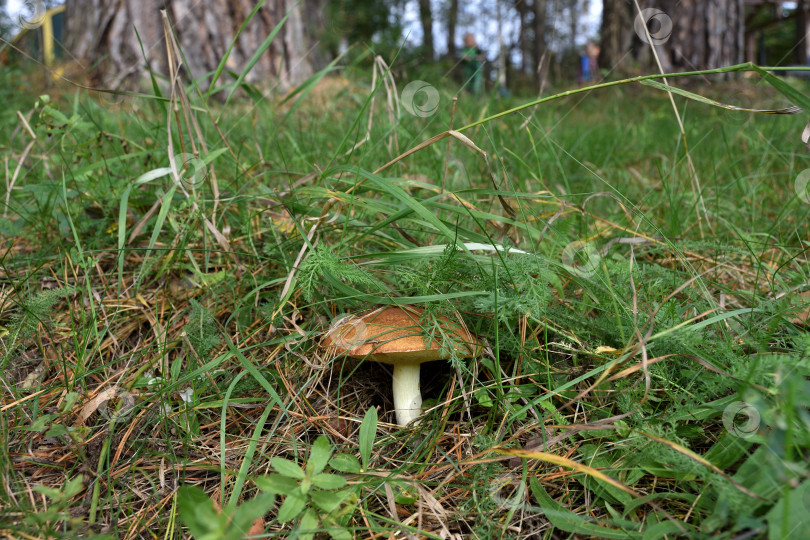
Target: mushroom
x=393 y=336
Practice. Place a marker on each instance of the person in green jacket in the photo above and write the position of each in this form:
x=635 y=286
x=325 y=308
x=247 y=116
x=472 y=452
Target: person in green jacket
x=472 y=58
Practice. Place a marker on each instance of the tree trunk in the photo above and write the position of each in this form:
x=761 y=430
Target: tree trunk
x=426 y=18
x=501 y=48
x=573 y=23
x=539 y=9
x=688 y=34
x=706 y=34
x=616 y=32
x=103 y=35
x=801 y=33
x=523 y=41
x=452 y=16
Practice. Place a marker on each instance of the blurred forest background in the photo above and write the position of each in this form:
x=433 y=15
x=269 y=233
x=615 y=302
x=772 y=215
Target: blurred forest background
x=526 y=42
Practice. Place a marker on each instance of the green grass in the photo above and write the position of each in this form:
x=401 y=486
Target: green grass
x=646 y=363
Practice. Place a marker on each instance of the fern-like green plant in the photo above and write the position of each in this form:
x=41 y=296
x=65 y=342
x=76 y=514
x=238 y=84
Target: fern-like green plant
x=30 y=313
x=324 y=270
x=201 y=330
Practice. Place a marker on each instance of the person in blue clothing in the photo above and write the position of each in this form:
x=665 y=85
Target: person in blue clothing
x=584 y=69
x=588 y=67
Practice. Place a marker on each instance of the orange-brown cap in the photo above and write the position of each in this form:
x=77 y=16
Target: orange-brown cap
x=393 y=335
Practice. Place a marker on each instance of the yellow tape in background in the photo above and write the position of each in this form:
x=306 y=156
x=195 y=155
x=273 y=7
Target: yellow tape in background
x=47 y=39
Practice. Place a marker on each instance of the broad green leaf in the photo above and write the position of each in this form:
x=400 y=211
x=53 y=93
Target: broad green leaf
x=57 y=430
x=347 y=496
x=176 y=367
x=287 y=468
x=66 y=492
x=308 y=525
x=338 y=533
x=56 y=114
x=346 y=463
x=663 y=529
x=404 y=493
x=197 y=512
x=69 y=401
x=790 y=518
x=306 y=484
x=292 y=506
x=40 y=423
x=327 y=500
x=483 y=397
x=368 y=432
x=328 y=481
x=247 y=512
x=319 y=455
x=276 y=484
x=73 y=487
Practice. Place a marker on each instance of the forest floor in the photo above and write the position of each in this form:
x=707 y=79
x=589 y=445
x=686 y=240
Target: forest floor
x=642 y=303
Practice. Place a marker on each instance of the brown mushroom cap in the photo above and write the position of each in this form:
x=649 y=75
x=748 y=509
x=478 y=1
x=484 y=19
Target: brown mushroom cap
x=393 y=335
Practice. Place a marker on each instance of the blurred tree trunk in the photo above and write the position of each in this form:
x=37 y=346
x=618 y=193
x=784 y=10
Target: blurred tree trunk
x=616 y=32
x=573 y=22
x=705 y=33
x=452 y=16
x=426 y=18
x=688 y=34
x=539 y=10
x=801 y=33
x=523 y=38
x=103 y=36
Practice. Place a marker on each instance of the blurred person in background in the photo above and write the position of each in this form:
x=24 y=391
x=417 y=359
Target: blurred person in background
x=588 y=67
x=472 y=58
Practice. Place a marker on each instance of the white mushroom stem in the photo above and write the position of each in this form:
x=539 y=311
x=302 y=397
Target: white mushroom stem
x=407 y=397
